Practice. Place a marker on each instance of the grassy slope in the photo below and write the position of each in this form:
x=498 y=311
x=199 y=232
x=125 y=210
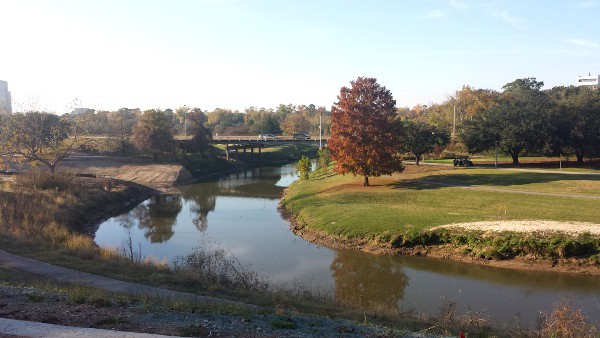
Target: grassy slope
x=394 y=206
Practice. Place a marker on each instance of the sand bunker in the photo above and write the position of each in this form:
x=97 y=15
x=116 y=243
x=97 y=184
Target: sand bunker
x=571 y=228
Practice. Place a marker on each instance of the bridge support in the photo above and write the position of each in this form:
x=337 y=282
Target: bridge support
x=236 y=147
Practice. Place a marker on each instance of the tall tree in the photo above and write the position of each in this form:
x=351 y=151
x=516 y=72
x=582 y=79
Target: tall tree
x=579 y=108
x=422 y=138
x=521 y=119
x=201 y=136
x=365 y=130
x=152 y=133
x=39 y=137
x=120 y=126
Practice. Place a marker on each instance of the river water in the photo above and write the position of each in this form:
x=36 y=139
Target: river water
x=238 y=213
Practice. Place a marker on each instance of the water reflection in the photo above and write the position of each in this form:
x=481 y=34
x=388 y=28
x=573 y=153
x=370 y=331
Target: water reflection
x=368 y=281
x=158 y=216
x=202 y=200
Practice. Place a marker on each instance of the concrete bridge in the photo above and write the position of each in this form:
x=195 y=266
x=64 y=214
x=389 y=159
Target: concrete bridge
x=245 y=143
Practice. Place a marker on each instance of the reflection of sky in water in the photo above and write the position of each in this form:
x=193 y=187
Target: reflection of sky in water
x=240 y=216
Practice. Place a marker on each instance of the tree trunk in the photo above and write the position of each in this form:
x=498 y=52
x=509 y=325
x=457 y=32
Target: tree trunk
x=366 y=181
x=579 y=158
x=417 y=158
x=155 y=156
x=515 y=158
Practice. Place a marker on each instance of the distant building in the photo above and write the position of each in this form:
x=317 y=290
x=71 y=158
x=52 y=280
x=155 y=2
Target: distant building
x=5 y=100
x=588 y=80
x=79 y=111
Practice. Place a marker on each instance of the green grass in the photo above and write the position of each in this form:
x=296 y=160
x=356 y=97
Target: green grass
x=289 y=151
x=409 y=205
x=513 y=180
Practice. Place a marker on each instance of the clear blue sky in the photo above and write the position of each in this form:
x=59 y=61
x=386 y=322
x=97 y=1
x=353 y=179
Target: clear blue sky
x=108 y=54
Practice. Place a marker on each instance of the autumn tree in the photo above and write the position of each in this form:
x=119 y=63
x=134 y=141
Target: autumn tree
x=152 y=133
x=296 y=123
x=39 y=138
x=422 y=138
x=365 y=130
x=226 y=122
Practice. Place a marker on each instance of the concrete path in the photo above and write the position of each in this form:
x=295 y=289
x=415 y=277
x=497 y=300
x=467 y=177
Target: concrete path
x=21 y=328
x=105 y=283
x=32 y=329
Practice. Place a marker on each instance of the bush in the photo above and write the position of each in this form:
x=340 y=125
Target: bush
x=304 y=167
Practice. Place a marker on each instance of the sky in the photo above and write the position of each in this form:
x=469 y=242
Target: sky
x=236 y=54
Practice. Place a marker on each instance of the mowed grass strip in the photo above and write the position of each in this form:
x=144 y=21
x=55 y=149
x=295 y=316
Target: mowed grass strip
x=339 y=205
x=508 y=179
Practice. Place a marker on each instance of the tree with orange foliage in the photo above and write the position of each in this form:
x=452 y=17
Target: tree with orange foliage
x=365 y=130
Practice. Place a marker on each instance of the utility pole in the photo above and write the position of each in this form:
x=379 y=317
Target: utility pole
x=320 y=131
x=454 y=123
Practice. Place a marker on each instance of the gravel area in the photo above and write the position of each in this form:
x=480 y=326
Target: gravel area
x=549 y=227
x=129 y=314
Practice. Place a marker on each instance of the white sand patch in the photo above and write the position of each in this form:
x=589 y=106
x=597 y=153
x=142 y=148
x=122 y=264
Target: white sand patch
x=571 y=228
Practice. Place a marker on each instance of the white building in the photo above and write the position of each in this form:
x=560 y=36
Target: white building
x=5 y=100
x=588 y=80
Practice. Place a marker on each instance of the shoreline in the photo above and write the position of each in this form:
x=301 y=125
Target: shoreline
x=443 y=251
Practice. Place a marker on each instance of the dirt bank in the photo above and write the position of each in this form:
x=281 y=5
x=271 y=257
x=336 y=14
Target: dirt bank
x=446 y=251
x=158 y=176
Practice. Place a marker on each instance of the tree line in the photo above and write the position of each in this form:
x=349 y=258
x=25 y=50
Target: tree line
x=285 y=119
x=46 y=139
x=368 y=132
x=522 y=118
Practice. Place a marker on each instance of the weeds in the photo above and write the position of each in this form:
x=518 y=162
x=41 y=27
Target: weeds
x=564 y=321
x=220 y=267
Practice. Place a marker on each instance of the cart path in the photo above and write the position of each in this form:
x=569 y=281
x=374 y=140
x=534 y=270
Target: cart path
x=77 y=277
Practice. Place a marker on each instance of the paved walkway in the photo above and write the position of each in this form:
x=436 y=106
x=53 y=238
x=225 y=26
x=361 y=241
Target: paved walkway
x=105 y=283
x=32 y=329
x=21 y=328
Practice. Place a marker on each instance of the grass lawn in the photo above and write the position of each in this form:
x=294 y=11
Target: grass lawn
x=531 y=162
x=419 y=199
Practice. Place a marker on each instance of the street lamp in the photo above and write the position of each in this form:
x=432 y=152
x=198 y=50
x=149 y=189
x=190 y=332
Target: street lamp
x=496 y=163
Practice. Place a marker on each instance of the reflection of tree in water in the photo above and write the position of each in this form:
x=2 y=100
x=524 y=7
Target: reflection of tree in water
x=158 y=216
x=204 y=199
x=368 y=281
x=126 y=220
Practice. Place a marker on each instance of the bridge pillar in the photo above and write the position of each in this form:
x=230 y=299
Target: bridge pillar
x=227 y=151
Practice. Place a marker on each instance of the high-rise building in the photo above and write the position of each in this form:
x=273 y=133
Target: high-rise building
x=588 y=80
x=5 y=100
